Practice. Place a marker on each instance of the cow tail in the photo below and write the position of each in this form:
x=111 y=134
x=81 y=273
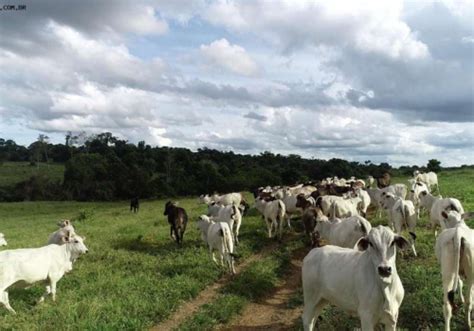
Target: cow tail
x=457 y=257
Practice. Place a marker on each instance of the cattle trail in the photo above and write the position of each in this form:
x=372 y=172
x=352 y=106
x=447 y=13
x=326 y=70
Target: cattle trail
x=209 y=293
x=273 y=312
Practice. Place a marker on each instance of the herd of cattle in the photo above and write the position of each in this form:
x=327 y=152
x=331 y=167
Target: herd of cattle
x=355 y=270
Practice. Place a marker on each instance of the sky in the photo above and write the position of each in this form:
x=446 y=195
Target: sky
x=386 y=81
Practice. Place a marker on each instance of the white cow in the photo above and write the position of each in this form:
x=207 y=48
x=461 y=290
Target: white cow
x=228 y=199
x=273 y=213
x=65 y=231
x=218 y=236
x=365 y=200
x=414 y=194
x=22 y=267
x=440 y=205
x=455 y=253
x=343 y=232
x=403 y=215
x=362 y=281
x=345 y=207
x=290 y=205
x=233 y=217
x=3 y=241
x=429 y=178
x=325 y=202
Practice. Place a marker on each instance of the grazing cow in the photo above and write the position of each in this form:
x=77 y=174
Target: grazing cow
x=362 y=281
x=22 y=267
x=3 y=241
x=455 y=253
x=273 y=212
x=342 y=232
x=134 y=204
x=65 y=231
x=429 y=178
x=177 y=219
x=218 y=236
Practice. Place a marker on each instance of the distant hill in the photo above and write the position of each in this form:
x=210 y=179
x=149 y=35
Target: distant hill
x=12 y=173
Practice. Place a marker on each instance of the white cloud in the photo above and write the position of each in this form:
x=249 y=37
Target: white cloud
x=231 y=57
x=374 y=27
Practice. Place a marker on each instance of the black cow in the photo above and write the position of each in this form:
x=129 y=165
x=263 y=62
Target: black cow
x=134 y=205
x=177 y=218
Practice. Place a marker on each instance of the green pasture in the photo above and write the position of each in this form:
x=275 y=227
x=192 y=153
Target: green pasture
x=134 y=276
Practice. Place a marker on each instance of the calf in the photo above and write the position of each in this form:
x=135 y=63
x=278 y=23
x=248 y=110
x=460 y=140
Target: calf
x=343 y=232
x=273 y=212
x=362 y=281
x=22 y=267
x=134 y=204
x=3 y=241
x=218 y=236
x=177 y=219
x=455 y=253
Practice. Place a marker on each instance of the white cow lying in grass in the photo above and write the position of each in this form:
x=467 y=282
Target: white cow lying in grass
x=342 y=232
x=273 y=212
x=361 y=281
x=3 y=241
x=455 y=253
x=218 y=237
x=22 y=267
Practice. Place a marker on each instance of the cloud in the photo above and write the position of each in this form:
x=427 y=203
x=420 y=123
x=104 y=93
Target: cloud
x=375 y=27
x=255 y=116
x=230 y=57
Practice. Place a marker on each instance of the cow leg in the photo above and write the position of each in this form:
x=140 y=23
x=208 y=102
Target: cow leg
x=213 y=257
x=447 y=311
x=460 y=284
x=311 y=311
x=48 y=292
x=269 y=227
x=367 y=323
x=171 y=233
x=237 y=228
x=468 y=305
x=5 y=302
x=53 y=288
x=288 y=221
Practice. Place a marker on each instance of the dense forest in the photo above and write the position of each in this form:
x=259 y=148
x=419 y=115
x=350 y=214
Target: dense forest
x=103 y=167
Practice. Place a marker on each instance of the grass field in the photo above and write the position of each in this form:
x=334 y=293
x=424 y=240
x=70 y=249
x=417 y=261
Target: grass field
x=12 y=173
x=134 y=276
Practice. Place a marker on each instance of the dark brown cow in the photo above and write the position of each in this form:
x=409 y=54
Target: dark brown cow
x=134 y=205
x=177 y=218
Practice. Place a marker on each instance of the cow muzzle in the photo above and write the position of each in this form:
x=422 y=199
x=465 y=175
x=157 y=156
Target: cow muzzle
x=384 y=271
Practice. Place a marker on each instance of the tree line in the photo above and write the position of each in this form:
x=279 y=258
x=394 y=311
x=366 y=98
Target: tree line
x=104 y=167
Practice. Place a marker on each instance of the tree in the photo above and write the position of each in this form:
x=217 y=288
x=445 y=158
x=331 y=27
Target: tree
x=434 y=165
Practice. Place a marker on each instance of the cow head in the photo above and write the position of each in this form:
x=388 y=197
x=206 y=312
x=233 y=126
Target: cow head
x=75 y=244
x=168 y=207
x=380 y=245
x=64 y=223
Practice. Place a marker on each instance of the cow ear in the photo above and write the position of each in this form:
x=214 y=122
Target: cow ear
x=65 y=238
x=424 y=193
x=444 y=214
x=468 y=215
x=401 y=242
x=362 y=244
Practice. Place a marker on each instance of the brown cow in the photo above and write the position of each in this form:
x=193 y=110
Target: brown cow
x=177 y=218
